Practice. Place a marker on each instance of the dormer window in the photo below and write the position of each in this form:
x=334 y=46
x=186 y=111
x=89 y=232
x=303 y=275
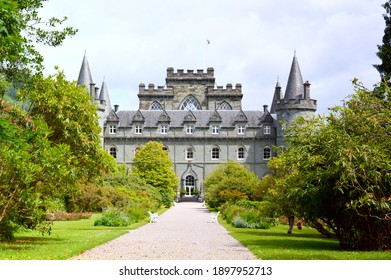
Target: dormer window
x=189 y=129
x=112 y=129
x=215 y=129
x=267 y=129
x=138 y=129
x=241 y=129
x=163 y=129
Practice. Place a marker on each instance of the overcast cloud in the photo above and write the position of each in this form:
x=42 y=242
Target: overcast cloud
x=252 y=42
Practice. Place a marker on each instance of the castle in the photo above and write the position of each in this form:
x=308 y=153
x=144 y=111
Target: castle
x=200 y=125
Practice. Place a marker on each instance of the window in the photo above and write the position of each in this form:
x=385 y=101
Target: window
x=113 y=152
x=240 y=129
x=215 y=153
x=267 y=153
x=241 y=153
x=138 y=129
x=225 y=106
x=165 y=149
x=189 y=153
x=163 y=129
x=156 y=106
x=190 y=103
x=112 y=129
x=215 y=129
x=266 y=129
x=190 y=129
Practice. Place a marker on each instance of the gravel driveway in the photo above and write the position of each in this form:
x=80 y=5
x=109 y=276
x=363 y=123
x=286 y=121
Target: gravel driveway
x=183 y=232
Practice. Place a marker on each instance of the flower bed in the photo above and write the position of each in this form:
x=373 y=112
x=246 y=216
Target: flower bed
x=65 y=216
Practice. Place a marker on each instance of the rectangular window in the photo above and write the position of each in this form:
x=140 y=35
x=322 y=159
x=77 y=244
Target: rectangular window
x=215 y=129
x=189 y=129
x=266 y=129
x=112 y=129
x=215 y=153
x=138 y=129
x=241 y=129
x=163 y=129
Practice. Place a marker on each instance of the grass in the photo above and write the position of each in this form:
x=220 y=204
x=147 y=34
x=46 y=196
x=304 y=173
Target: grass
x=67 y=239
x=305 y=244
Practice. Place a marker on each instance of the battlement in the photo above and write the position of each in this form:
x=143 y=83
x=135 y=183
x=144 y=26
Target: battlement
x=199 y=73
x=298 y=103
x=220 y=90
x=151 y=89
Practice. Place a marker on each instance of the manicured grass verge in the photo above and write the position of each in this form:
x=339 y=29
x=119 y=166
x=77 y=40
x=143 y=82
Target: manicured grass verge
x=67 y=239
x=305 y=244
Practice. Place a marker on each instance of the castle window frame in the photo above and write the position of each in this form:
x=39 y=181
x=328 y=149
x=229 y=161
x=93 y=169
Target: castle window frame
x=190 y=103
x=113 y=151
x=225 y=106
x=138 y=129
x=156 y=106
x=215 y=129
x=267 y=129
x=241 y=129
x=189 y=153
x=267 y=153
x=163 y=128
x=241 y=153
x=215 y=153
x=190 y=129
x=112 y=129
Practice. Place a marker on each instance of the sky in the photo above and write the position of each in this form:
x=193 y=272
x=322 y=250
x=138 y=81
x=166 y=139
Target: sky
x=252 y=42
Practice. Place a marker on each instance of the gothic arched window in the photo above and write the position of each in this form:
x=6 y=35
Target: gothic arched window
x=113 y=152
x=225 y=106
x=267 y=153
x=156 y=106
x=190 y=103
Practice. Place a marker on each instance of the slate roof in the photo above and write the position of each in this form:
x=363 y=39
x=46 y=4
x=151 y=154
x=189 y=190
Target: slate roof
x=85 y=77
x=202 y=117
x=294 y=87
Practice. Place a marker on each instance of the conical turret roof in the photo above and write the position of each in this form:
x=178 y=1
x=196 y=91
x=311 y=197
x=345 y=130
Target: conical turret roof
x=104 y=95
x=85 y=77
x=295 y=86
x=277 y=91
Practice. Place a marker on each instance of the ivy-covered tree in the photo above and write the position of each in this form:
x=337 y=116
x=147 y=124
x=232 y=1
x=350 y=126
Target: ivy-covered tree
x=21 y=28
x=152 y=164
x=384 y=52
x=336 y=171
x=230 y=182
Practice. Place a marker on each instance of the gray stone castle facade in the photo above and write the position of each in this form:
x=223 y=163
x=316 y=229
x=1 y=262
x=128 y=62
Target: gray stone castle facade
x=200 y=125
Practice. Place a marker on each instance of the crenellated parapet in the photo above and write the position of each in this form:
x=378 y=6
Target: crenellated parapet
x=152 y=90
x=229 y=90
x=198 y=76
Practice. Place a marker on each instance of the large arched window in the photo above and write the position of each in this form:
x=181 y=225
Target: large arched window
x=190 y=103
x=156 y=106
x=224 y=106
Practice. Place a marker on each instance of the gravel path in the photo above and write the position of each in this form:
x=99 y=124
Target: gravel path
x=183 y=232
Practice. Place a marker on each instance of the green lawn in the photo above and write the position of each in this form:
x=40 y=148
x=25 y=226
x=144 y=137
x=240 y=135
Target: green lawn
x=66 y=240
x=70 y=238
x=305 y=244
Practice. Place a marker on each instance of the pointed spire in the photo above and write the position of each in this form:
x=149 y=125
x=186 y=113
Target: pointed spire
x=85 y=77
x=295 y=87
x=276 y=96
x=104 y=95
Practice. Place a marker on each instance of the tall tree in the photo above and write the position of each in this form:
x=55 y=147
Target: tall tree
x=384 y=52
x=152 y=164
x=337 y=170
x=20 y=28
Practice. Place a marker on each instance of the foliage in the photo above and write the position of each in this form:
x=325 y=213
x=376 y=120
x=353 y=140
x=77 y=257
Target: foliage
x=152 y=164
x=69 y=113
x=112 y=217
x=337 y=169
x=230 y=182
x=384 y=52
x=21 y=28
x=65 y=216
x=31 y=170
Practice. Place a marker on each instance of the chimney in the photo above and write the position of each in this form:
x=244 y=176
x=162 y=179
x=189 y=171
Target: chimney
x=278 y=92
x=92 y=90
x=141 y=88
x=307 y=90
x=116 y=108
x=265 y=108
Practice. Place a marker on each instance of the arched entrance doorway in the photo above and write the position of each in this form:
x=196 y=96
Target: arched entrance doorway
x=190 y=184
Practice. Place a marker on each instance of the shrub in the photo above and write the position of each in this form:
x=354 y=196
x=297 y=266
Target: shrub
x=112 y=218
